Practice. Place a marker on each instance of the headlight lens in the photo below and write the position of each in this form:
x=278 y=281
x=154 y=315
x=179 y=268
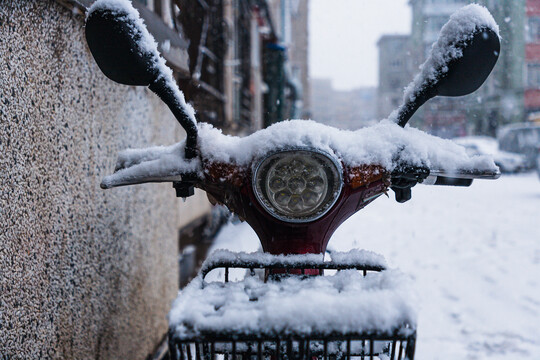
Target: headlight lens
x=297 y=185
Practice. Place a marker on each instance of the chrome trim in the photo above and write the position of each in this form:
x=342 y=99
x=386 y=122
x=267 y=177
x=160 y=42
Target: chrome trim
x=260 y=197
x=467 y=174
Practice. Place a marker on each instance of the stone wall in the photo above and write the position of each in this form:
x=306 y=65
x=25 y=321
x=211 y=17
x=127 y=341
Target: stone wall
x=84 y=273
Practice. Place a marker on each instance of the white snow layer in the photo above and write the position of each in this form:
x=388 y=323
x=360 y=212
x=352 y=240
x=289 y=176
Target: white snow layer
x=353 y=257
x=474 y=254
x=343 y=303
x=386 y=144
x=461 y=27
x=159 y=163
x=147 y=45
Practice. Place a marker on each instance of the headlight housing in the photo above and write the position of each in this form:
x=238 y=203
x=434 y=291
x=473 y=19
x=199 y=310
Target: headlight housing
x=297 y=185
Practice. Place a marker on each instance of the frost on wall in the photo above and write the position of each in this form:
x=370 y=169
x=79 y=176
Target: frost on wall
x=83 y=273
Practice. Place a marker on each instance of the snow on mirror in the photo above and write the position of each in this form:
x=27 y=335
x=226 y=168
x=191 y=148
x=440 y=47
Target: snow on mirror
x=127 y=54
x=459 y=62
x=121 y=45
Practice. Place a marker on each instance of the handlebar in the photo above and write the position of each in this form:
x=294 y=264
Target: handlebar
x=406 y=177
x=447 y=181
x=166 y=92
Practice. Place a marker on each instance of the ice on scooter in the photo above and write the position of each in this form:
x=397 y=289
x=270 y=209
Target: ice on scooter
x=461 y=27
x=344 y=303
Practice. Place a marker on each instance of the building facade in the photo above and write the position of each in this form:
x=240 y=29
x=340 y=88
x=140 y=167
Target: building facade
x=532 y=61
x=394 y=72
x=343 y=109
x=286 y=62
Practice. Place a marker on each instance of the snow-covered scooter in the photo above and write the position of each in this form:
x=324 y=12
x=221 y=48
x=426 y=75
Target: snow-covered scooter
x=295 y=183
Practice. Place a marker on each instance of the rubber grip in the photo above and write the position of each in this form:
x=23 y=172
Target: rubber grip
x=450 y=181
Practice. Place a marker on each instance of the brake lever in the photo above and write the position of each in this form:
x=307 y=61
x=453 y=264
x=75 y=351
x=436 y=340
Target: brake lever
x=405 y=177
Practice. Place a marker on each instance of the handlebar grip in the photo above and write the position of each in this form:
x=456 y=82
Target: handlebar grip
x=447 y=181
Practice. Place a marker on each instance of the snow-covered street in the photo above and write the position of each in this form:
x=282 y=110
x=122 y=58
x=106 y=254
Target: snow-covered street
x=474 y=254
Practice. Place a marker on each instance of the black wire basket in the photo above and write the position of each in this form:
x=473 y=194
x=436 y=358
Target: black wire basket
x=225 y=345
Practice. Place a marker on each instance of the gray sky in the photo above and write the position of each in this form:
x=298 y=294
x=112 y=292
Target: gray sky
x=343 y=38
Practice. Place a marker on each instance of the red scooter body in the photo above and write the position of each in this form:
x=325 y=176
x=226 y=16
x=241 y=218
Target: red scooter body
x=233 y=187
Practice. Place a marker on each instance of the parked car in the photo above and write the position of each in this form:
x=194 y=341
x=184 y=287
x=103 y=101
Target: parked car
x=522 y=138
x=508 y=162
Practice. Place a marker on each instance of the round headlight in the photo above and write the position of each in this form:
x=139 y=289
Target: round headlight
x=297 y=185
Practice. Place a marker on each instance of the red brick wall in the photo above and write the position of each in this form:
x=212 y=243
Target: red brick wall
x=532 y=52
x=532 y=55
x=532 y=99
x=533 y=7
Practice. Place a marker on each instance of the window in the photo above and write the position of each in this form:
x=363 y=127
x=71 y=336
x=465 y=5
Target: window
x=396 y=63
x=533 y=76
x=533 y=29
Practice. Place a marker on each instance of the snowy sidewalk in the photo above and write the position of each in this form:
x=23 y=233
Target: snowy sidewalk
x=475 y=256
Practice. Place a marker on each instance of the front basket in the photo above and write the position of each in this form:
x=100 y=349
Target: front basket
x=192 y=340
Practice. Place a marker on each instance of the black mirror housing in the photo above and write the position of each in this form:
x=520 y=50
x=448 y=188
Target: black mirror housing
x=466 y=74
x=114 y=43
x=460 y=61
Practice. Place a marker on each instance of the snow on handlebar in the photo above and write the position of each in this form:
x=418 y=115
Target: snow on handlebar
x=385 y=144
x=458 y=64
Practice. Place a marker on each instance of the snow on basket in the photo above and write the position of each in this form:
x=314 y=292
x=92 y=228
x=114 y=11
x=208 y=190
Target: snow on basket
x=344 y=303
x=352 y=258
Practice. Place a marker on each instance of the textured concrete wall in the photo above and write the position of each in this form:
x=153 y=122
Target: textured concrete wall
x=84 y=273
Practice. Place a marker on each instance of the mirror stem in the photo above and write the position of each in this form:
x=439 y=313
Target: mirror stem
x=407 y=110
x=162 y=89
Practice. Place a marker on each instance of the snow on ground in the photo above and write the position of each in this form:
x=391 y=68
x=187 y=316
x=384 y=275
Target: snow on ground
x=475 y=256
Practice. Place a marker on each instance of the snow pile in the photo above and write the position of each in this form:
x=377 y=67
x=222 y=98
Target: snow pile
x=385 y=144
x=462 y=26
x=351 y=258
x=343 y=303
x=124 y=11
x=160 y=163
x=358 y=256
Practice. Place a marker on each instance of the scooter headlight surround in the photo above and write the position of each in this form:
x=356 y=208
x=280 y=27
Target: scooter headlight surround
x=297 y=185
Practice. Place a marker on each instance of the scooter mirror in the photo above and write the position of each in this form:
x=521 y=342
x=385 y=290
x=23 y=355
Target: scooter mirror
x=115 y=42
x=467 y=73
x=459 y=63
x=126 y=53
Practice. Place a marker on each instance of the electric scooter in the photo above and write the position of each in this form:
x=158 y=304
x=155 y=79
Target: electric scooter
x=295 y=183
